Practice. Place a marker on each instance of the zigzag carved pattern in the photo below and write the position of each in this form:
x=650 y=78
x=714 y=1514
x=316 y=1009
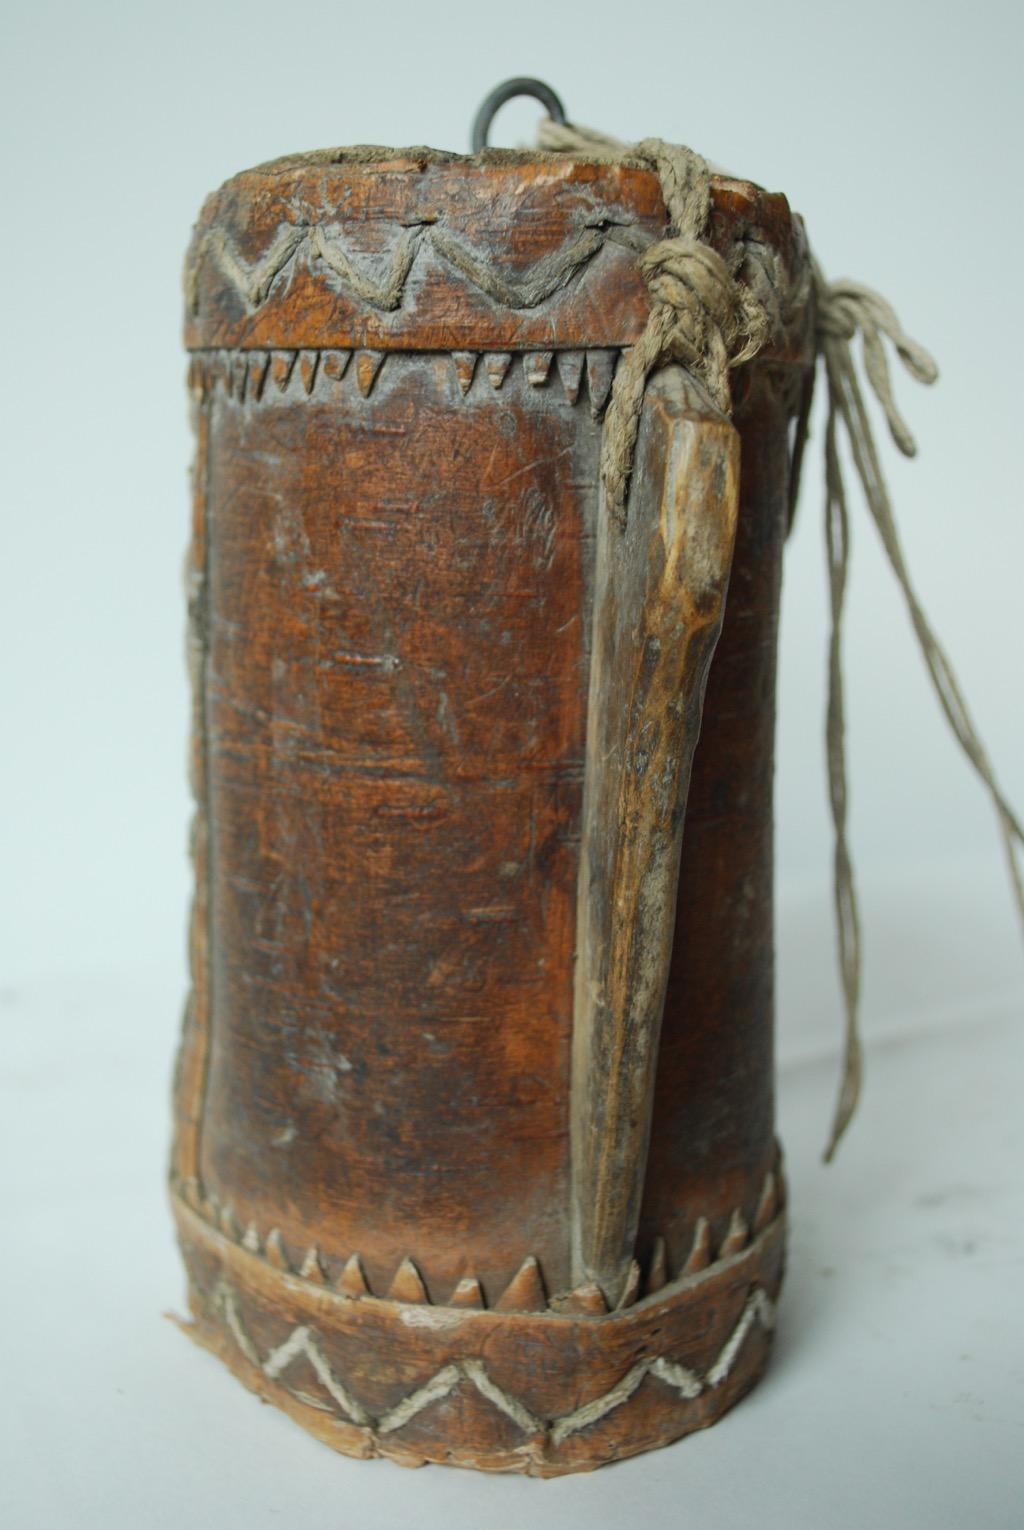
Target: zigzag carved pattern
x=302 y=1343
x=260 y=375
x=525 y=1292
x=253 y=281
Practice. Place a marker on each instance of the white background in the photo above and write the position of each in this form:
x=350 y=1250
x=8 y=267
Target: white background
x=896 y=130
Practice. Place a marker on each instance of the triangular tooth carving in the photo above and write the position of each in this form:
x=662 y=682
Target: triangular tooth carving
x=308 y=363
x=251 y=1238
x=407 y=1285
x=259 y=365
x=537 y=365
x=465 y=366
x=525 y=1291
x=736 y=1237
x=496 y=366
x=312 y=1268
x=221 y=371
x=352 y=1281
x=228 y=1225
x=467 y=1293
x=281 y=368
x=334 y=364
x=570 y=370
x=700 y=1252
x=767 y=1205
x=211 y=373
x=600 y=371
x=274 y=1250
x=368 y=365
x=632 y=1287
x=657 y=1270
x=238 y=370
x=586 y=1299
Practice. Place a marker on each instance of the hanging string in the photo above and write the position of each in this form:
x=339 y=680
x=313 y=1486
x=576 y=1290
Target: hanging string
x=845 y=309
x=706 y=320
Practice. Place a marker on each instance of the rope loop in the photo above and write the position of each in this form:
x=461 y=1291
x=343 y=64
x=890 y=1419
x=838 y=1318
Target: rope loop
x=846 y=308
x=700 y=317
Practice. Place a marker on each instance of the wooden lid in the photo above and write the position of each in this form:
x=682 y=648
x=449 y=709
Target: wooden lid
x=411 y=249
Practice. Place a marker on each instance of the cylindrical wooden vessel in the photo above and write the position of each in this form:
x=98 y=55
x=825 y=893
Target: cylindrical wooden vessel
x=422 y=1208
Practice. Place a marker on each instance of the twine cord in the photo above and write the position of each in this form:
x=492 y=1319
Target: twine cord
x=700 y=315
x=704 y=319
x=845 y=309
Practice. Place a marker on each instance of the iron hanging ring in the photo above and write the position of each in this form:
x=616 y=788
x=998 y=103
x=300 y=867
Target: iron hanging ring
x=522 y=86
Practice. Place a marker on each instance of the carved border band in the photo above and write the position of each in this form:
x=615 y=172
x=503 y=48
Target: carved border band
x=259 y=376
x=525 y=1292
x=531 y=1392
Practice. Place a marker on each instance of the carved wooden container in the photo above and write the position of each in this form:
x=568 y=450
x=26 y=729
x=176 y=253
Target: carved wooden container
x=425 y=1204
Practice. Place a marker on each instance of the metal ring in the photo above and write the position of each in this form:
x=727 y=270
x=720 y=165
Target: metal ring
x=505 y=92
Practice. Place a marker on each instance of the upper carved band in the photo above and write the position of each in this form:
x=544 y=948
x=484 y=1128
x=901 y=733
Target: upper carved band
x=385 y=291
x=415 y=252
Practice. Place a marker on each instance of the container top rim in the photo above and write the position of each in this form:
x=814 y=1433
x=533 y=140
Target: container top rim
x=370 y=154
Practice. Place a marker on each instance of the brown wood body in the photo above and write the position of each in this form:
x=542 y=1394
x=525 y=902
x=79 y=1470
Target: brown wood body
x=399 y=368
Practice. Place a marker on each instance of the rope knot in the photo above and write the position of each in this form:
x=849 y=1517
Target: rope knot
x=694 y=297
x=682 y=269
x=701 y=316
